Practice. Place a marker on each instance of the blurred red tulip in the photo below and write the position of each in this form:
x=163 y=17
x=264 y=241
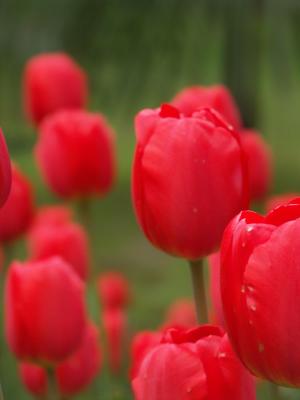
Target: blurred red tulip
x=78 y=371
x=181 y=314
x=51 y=82
x=75 y=153
x=141 y=345
x=115 y=329
x=188 y=179
x=17 y=213
x=113 y=290
x=259 y=162
x=34 y=378
x=279 y=200
x=45 y=317
x=260 y=281
x=198 y=364
x=5 y=170
x=218 y=97
x=52 y=215
x=67 y=240
x=215 y=290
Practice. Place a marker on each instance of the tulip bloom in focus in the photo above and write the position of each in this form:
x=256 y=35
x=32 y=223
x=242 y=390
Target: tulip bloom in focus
x=75 y=154
x=188 y=179
x=113 y=290
x=259 y=164
x=197 y=364
x=260 y=281
x=45 y=317
x=181 y=314
x=218 y=97
x=5 y=170
x=17 y=213
x=51 y=82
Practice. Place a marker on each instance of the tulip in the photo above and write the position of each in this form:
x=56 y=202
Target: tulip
x=75 y=154
x=51 y=82
x=218 y=97
x=142 y=343
x=181 y=314
x=113 y=290
x=197 y=364
x=279 y=200
x=5 y=170
x=259 y=163
x=18 y=211
x=67 y=240
x=260 y=281
x=52 y=215
x=45 y=317
x=34 y=378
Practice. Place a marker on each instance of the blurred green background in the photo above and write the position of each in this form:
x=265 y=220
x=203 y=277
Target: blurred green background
x=138 y=54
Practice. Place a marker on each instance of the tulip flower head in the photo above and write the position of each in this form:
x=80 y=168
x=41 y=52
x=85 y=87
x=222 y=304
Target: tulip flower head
x=279 y=200
x=260 y=281
x=113 y=290
x=75 y=154
x=5 y=170
x=189 y=179
x=34 y=378
x=181 y=314
x=52 y=82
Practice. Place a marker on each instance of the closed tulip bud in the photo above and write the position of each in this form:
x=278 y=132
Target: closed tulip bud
x=181 y=314
x=279 y=200
x=78 y=371
x=75 y=154
x=51 y=82
x=260 y=280
x=115 y=330
x=5 y=170
x=52 y=215
x=215 y=290
x=113 y=290
x=259 y=163
x=193 y=365
x=45 y=317
x=17 y=213
x=66 y=240
x=34 y=378
x=141 y=345
x=188 y=179
x=218 y=97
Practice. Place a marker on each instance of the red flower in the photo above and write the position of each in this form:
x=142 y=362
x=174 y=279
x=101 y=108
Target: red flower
x=181 y=314
x=113 y=290
x=279 y=200
x=259 y=163
x=45 y=316
x=218 y=97
x=5 y=170
x=52 y=215
x=34 y=378
x=17 y=213
x=260 y=283
x=142 y=343
x=75 y=153
x=198 y=364
x=52 y=82
x=67 y=240
x=188 y=179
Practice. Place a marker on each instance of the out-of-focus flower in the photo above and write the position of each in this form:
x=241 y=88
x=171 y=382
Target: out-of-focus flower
x=181 y=314
x=113 y=290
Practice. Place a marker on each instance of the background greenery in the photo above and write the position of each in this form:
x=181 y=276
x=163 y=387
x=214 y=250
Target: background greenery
x=137 y=54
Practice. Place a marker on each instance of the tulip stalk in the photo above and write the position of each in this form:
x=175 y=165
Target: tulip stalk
x=274 y=392
x=52 y=385
x=197 y=272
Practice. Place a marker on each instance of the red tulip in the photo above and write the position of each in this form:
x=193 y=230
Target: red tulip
x=198 y=364
x=115 y=329
x=215 y=290
x=44 y=310
x=279 y=200
x=5 y=170
x=142 y=344
x=77 y=372
x=113 y=290
x=34 y=378
x=259 y=163
x=218 y=97
x=181 y=314
x=52 y=215
x=260 y=281
x=75 y=153
x=53 y=81
x=17 y=213
x=188 y=179
x=67 y=240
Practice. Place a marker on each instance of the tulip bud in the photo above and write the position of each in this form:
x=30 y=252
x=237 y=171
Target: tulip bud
x=45 y=318
x=5 y=170
x=34 y=378
x=181 y=314
x=260 y=281
x=259 y=163
x=75 y=154
x=188 y=179
x=113 y=290
x=17 y=213
x=218 y=97
x=191 y=365
x=52 y=215
x=51 y=82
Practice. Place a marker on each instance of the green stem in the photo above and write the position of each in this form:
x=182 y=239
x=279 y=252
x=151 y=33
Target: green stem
x=197 y=272
x=52 y=386
x=274 y=392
